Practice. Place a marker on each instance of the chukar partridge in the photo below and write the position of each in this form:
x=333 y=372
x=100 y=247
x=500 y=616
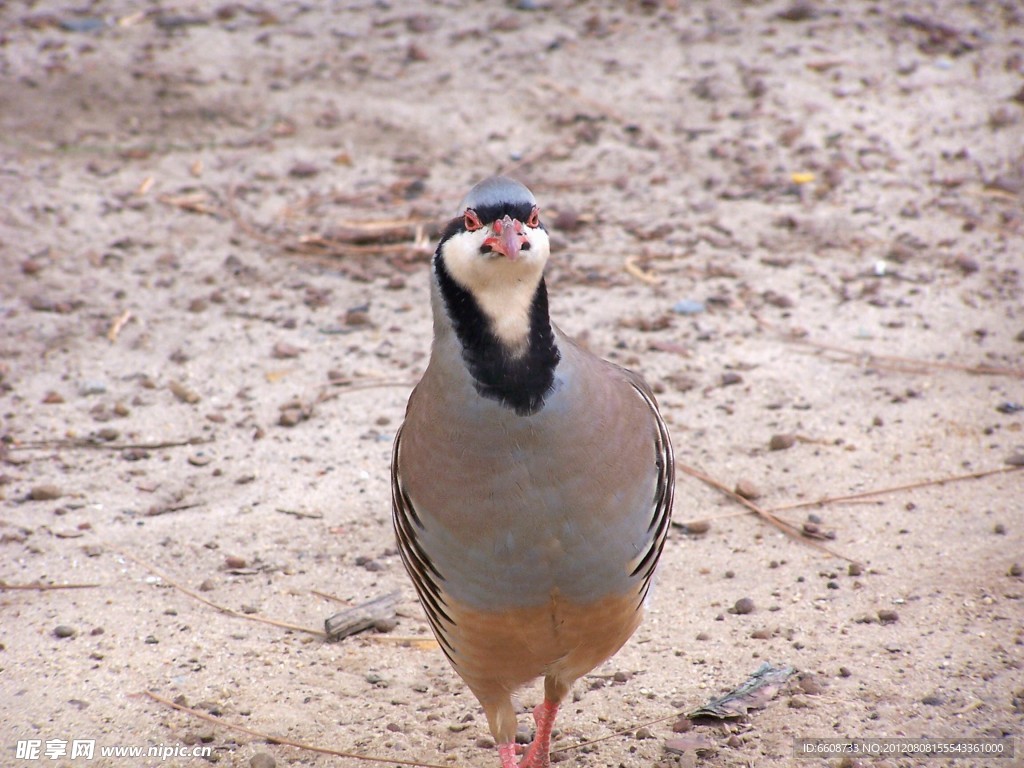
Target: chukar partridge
x=532 y=482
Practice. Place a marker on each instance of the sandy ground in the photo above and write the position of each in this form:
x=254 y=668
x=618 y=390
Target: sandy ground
x=799 y=221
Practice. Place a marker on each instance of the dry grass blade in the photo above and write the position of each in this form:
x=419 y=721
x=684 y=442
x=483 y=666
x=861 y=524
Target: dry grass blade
x=783 y=525
x=86 y=442
x=289 y=742
x=890 y=362
x=223 y=609
x=44 y=587
x=852 y=497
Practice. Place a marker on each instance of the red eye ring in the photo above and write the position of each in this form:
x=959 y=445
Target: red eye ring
x=534 y=220
x=471 y=221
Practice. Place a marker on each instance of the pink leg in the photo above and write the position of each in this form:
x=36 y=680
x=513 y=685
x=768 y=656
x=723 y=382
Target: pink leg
x=507 y=753
x=537 y=756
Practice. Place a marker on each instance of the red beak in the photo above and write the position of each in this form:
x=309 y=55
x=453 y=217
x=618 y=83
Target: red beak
x=508 y=237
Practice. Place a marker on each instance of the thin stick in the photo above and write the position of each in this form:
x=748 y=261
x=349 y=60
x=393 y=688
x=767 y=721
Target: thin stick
x=894 y=489
x=786 y=527
x=88 y=443
x=285 y=741
x=45 y=587
x=896 y=362
x=223 y=609
x=639 y=272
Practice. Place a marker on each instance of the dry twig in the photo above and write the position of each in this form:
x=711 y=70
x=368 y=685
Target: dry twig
x=223 y=609
x=285 y=741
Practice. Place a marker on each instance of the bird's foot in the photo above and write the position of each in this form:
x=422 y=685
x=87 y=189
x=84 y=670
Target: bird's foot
x=507 y=753
x=538 y=754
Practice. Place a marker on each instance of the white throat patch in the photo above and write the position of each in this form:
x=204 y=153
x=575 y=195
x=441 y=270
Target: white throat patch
x=503 y=289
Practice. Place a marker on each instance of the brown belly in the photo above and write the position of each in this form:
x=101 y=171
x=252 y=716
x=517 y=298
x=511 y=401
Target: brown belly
x=500 y=652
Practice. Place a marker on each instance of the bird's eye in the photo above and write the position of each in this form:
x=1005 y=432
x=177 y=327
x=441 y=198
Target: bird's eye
x=471 y=221
x=534 y=220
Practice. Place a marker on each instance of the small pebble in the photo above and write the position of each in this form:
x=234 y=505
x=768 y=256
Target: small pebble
x=810 y=686
x=644 y=733
x=999 y=529
x=233 y=561
x=845 y=672
x=89 y=388
x=208 y=585
x=855 y=569
x=63 y=630
x=45 y=493
x=262 y=760
x=1016 y=570
x=53 y=398
x=746 y=489
x=734 y=741
x=781 y=442
x=485 y=742
x=682 y=725
x=888 y=616
x=1015 y=460
x=702 y=636
x=743 y=606
x=688 y=307
x=761 y=634
x=729 y=378
x=622 y=677
x=285 y=351
x=183 y=393
x=799 y=701
x=303 y=170
x=933 y=700
x=696 y=527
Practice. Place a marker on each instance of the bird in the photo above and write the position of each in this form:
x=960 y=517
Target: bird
x=532 y=481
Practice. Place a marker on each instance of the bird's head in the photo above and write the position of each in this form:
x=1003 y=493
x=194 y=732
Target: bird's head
x=497 y=238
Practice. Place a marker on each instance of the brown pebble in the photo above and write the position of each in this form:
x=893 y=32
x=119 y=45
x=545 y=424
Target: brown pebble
x=1016 y=570
x=234 y=561
x=999 y=529
x=183 y=393
x=933 y=700
x=799 y=701
x=845 y=672
x=702 y=636
x=566 y=220
x=53 y=398
x=761 y=634
x=357 y=317
x=197 y=305
x=622 y=677
x=395 y=283
x=1015 y=460
x=285 y=351
x=729 y=378
x=966 y=264
x=855 y=569
x=45 y=493
x=63 y=631
x=746 y=489
x=743 y=606
x=810 y=686
x=888 y=616
x=781 y=442
x=644 y=733
x=696 y=527
x=682 y=725
x=303 y=170
x=734 y=741
x=200 y=459
x=290 y=417
x=485 y=742
x=208 y=585
x=262 y=760
x=385 y=625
